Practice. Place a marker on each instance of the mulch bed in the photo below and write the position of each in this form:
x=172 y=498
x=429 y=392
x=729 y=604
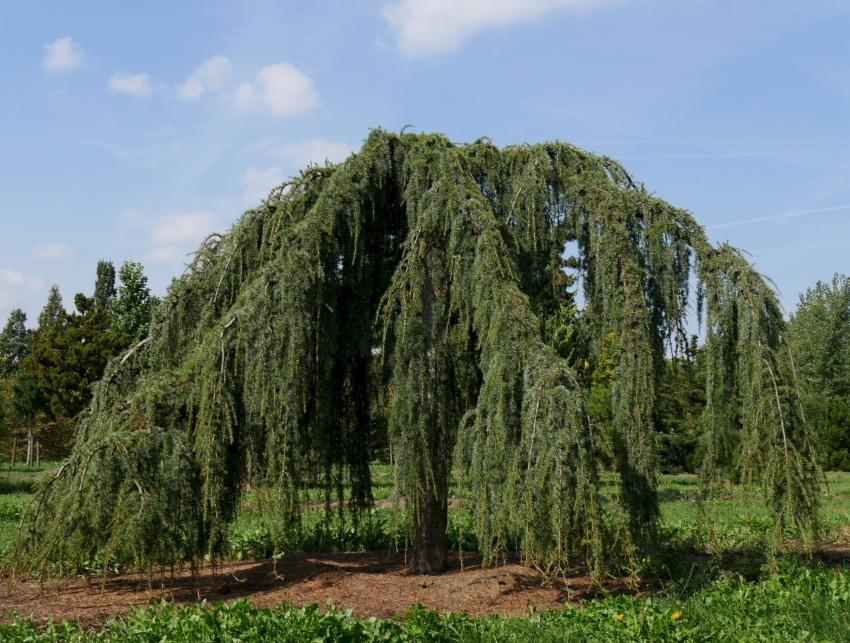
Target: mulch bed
x=370 y=584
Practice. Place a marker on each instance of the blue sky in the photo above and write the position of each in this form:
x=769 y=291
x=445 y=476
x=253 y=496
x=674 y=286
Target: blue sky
x=130 y=130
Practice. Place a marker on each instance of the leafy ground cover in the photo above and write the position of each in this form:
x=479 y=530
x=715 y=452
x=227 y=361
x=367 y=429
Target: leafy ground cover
x=795 y=604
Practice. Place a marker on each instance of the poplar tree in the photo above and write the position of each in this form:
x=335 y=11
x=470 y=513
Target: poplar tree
x=104 y=286
x=430 y=273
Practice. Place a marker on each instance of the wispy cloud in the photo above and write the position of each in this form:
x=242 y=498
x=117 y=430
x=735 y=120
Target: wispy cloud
x=138 y=85
x=62 y=55
x=52 y=251
x=180 y=228
x=16 y=278
x=258 y=182
x=18 y=289
x=431 y=27
x=292 y=156
x=300 y=154
x=777 y=217
x=212 y=74
x=174 y=236
x=281 y=90
x=730 y=155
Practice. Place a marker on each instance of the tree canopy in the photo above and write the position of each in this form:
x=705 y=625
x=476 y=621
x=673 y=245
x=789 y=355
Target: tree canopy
x=132 y=307
x=14 y=343
x=819 y=333
x=433 y=276
x=104 y=285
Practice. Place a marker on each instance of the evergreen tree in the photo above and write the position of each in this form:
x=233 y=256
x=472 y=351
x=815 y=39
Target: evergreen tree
x=131 y=310
x=819 y=333
x=437 y=269
x=14 y=343
x=104 y=287
x=28 y=401
x=682 y=403
x=52 y=316
x=66 y=364
x=5 y=423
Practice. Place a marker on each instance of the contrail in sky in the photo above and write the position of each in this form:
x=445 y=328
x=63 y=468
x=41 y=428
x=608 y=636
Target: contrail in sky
x=776 y=217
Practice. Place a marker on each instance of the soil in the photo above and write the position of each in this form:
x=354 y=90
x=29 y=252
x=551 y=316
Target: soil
x=370 y=584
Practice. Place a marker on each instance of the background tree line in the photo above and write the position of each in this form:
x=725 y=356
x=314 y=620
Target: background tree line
x=47 y=373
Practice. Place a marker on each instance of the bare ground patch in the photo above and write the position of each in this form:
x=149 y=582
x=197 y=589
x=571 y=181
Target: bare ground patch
x=371 y=584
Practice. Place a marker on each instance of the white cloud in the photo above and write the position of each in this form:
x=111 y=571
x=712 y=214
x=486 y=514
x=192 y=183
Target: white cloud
x=181 y=228
x=165 y=254
x=52 y=251
x=19 y=290
x=175 y=236
x=314 y=151
x=245 y=96
x=212 y=74
x=257 y=183
x=61 y=55
x=281 y=89
x=430 y=27
x=15 y=278
x=132 y=84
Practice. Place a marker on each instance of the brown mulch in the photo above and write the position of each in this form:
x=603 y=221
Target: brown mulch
x=371 y=584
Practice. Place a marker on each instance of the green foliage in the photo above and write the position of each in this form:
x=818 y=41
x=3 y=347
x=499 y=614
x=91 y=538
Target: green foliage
x=796 y=604
x=14 y=343
x=131 y=309
x=752 y=401
x=681 y=405
x=104 y=286
x=28 y=397
x=69 y=357
x=426 y=281
x=52 y=316
x=819 y=335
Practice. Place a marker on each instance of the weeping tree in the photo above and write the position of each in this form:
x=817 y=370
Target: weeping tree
x=429 y=274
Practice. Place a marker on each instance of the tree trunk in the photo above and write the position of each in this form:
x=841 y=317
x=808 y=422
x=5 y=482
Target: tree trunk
x=430 y=541
x=29 y=447
x=430 y=511
x=14 y=448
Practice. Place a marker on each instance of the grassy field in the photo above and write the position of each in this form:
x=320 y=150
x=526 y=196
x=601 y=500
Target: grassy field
x=712 y=584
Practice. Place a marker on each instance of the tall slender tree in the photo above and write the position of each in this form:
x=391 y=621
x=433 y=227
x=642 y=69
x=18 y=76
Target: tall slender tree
x=14 y=343
x=104 y=286
x=437 y=269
